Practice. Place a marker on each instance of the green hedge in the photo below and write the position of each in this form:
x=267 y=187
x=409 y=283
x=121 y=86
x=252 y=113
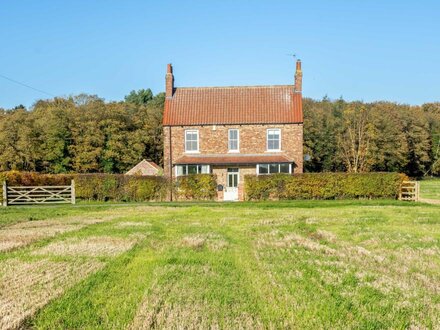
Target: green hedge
x=196 y=187
x=112 y=187
x=118 y=187
x=323 y=186
x=96 y=187
x=16 y=178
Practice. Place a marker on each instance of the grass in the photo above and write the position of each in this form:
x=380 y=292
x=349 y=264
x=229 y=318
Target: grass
x=11 y=215
x=305 y=264
x=430 y=189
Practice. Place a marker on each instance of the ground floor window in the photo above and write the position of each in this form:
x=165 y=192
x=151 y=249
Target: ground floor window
x=192 y=169
x=274 y=168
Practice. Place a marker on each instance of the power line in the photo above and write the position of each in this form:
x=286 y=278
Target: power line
x=25 y=85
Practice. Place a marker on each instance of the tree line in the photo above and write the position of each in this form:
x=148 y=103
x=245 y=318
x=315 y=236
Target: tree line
x=82 y=134
x=378 y=136
x=85 y=134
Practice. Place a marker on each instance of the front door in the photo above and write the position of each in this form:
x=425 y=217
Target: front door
x=231 y=191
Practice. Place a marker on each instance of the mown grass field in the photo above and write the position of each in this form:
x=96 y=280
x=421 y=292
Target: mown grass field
x=430 y=189
x=310 y=264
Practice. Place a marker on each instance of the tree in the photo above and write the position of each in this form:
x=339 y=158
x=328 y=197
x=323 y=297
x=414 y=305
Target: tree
x=320 y=135
x=416 y=129
x=141 y=97
x=52 y=120
x=355 y=141
x=17 y=141
x=389 y=147
x=87 y=137
x=432 y=114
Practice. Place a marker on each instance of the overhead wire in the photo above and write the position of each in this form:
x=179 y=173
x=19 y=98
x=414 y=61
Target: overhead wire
x=26 y=85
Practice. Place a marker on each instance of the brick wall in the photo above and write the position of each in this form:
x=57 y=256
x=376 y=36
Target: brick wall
x=214 y=140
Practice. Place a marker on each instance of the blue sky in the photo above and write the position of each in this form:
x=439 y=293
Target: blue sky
x=361 y=50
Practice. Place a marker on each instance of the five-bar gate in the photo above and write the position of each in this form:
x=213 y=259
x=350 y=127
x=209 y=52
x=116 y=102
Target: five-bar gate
x=410 y=191
x=23 y=195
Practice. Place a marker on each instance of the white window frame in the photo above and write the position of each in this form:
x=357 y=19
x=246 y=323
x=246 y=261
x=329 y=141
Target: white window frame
x=268 y=169
x=186 y=165
x=234 y=172
x=238 y=140
x=267 y=139
x=198 y=141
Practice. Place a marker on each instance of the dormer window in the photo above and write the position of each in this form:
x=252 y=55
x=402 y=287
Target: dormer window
x=191 y=141
x=233 y=140
x=274 y=139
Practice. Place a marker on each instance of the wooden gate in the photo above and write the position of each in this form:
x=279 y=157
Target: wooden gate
x=410 y=191
x=21 y=195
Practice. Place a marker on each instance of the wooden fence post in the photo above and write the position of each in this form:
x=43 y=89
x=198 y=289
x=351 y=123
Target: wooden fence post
x=73 y=197
x=5 y=194
x=418 y=191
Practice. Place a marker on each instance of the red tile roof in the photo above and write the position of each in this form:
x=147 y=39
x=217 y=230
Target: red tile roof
x=232 y=159
x=233 y=105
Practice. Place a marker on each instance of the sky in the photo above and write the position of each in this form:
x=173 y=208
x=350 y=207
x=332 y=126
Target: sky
x=361 y=50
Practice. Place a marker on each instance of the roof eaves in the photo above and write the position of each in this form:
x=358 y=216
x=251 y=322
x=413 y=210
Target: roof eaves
x=237 y=123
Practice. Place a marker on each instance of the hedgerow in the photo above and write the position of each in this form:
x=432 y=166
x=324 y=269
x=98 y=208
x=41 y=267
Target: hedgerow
x=196 y=187
x=17 y=178
x=118 y=187
x=323 y=186
x=96 y=187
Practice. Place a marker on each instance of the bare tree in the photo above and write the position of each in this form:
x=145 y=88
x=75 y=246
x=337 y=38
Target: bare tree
x=356 y=137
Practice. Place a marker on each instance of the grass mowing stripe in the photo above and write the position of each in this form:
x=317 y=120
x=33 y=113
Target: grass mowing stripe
x=107 y=299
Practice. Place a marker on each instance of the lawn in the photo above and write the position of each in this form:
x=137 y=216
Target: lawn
x=310 y=264
x=430 y=189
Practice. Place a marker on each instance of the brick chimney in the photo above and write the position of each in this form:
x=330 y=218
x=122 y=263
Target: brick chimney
x=298 y=78
x=169 y=82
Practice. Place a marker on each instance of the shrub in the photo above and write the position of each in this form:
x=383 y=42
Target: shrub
x=196 y=187
x=323 y=186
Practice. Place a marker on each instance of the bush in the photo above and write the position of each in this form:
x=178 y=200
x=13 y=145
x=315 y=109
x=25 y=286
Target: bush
x=96 y=187
x=196 y=187
x=323 y=186
x=16 y=178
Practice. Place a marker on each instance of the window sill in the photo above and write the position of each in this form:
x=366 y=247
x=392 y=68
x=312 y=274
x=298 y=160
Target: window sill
x=192 y=152
x=268 y=151
x=233 y=151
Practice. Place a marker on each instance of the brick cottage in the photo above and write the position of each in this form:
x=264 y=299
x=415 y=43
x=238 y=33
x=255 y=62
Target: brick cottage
x=233 y=131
